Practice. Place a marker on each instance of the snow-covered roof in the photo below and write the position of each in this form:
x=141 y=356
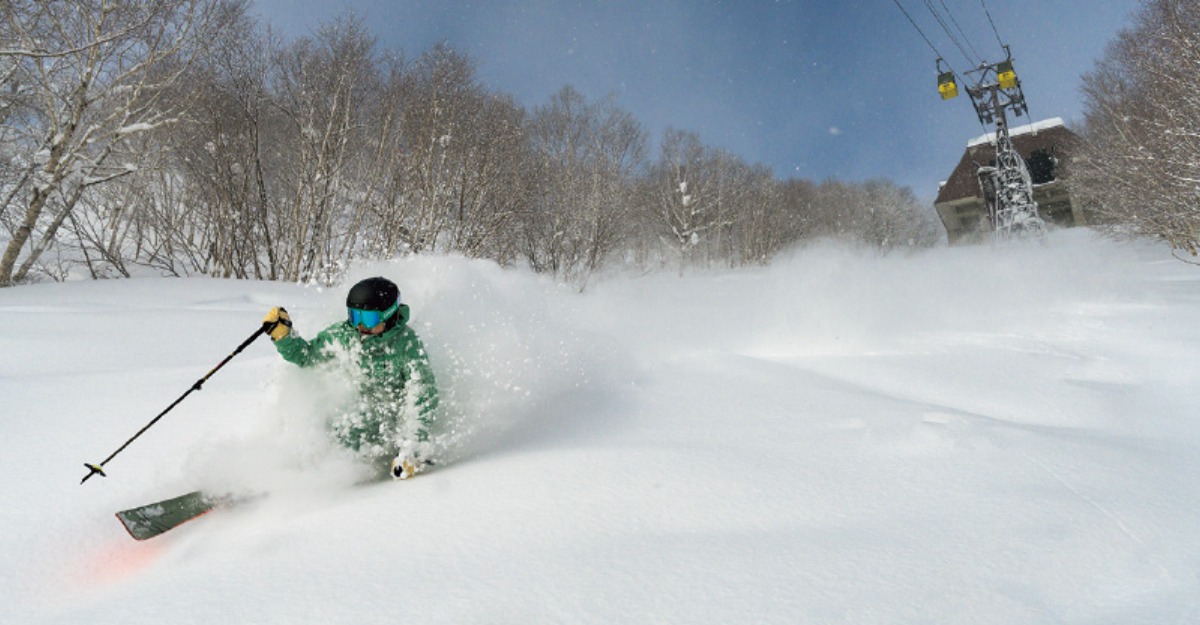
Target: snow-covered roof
x=1033 y=128
x=1050 y=135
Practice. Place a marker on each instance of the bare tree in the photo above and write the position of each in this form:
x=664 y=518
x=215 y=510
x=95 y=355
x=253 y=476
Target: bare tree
x=684 y=197
x=437 y=122
x=890 y=217
x=493 y=182
x=182 y=136
x=794 y=220
x=587 y=157
x=106 y=223
x=762 y=226
x=91 y=73
x=322 y=86
x=878 y=214
x=223 y=155
x=1138 y=169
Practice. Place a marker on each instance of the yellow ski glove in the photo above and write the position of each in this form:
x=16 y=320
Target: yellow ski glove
x=277 y=323
x=404 y=467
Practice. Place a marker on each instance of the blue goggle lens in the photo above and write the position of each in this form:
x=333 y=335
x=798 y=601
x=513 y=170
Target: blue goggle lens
x=371 y=318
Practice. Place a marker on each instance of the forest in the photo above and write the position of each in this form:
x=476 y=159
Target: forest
x=184 y=137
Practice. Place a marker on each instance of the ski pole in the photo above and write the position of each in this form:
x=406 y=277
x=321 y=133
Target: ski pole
x=94 y=469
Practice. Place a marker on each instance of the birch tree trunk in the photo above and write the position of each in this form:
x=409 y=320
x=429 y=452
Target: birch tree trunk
x=90 y=75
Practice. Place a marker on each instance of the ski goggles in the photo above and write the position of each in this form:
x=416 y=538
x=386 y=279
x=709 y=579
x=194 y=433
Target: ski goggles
x=371 y=318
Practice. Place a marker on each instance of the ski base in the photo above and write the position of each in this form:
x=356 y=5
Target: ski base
x=153 y=519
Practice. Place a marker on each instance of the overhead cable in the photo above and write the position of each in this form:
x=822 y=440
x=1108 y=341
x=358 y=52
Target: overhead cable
x=949 y=33
x=920 y=32
x=978 y=56
x=990 y=21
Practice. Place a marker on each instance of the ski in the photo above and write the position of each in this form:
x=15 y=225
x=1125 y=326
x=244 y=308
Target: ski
x=153 y=519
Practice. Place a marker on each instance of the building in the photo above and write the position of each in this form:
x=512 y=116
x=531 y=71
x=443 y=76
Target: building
x=1046 y=147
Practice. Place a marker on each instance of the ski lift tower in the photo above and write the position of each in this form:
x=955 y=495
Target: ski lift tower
x=1006 y=185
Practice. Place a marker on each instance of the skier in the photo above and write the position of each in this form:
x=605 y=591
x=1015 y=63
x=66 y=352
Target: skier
x=397 y=391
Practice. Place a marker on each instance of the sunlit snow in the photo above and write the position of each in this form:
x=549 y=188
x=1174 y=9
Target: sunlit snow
x=967 y=435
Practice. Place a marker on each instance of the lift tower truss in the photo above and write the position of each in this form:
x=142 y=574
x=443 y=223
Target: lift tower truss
x=1006 y=185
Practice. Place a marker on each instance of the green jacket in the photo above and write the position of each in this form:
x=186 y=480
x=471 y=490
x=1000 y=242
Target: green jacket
x=397 y=393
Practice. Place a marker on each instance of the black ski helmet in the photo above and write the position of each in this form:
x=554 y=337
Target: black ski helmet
x=376 y=293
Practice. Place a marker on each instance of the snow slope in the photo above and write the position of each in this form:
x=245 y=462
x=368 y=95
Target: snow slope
x=969 y=435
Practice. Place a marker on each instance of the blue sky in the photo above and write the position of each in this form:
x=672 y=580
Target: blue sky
x=813 y=89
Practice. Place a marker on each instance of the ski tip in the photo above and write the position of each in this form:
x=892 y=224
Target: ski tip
x=93 y=470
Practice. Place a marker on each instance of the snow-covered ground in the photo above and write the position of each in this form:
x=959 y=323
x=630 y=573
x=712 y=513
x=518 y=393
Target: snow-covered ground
x=971 y=435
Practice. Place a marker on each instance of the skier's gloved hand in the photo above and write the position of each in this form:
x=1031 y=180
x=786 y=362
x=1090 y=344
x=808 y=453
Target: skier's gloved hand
x=277 y=323
x=404 y=467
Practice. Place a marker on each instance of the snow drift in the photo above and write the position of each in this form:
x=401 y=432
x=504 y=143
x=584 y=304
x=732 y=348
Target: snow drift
x=983 y=435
